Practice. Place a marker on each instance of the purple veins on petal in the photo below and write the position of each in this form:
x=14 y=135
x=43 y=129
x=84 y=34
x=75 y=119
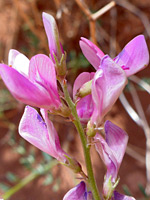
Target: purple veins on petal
x=79 y=192
x=41 y=134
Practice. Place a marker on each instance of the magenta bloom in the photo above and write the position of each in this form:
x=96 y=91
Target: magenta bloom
x=31 y=82
x=108 y=83
x=111 y=150
x=133 y=58
x=41 y=134
x=52 y=33
x=110 y=77
x=78 y=193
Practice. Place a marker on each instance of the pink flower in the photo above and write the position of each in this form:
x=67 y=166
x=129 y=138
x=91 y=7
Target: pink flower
x=31 y=82
x=133 y=58
x=41 y=134
x=111 y=150
x=110 y=77
x=108 y=83
x=78 y=193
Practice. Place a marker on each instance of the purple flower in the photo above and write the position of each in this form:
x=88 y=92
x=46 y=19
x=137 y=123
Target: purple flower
x=52 y=33
x=110 y=78
x=133 y=58
x=41 y=134
x=78 y=193
x=31 y=82
x=108 y=83
x=111 y=150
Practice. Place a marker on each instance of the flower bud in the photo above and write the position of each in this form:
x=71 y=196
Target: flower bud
x=91 y=131
x=84 y=90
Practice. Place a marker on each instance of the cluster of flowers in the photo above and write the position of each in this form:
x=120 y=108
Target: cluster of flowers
x=34 y=82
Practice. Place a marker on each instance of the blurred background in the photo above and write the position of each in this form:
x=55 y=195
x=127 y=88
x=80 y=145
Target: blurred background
x=21 y=28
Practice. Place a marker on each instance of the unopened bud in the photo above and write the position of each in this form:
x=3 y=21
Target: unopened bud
x=85 y=89
x=90 y=131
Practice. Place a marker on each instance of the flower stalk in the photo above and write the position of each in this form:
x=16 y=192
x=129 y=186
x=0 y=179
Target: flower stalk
x=86 y=147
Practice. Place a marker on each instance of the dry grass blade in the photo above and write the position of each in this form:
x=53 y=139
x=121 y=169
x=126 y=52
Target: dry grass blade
x=132 y=113
x=140 y=82
x=103 y=10
x=140 y=110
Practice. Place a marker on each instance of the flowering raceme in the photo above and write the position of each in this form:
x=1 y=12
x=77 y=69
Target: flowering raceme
x=110 y=77
x=34 y=82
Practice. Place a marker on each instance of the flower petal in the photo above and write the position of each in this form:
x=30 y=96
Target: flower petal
x=116 y=138
x=107 y=156
x=107 y=85
x=50 y=28
x=40 y=134
x=92 y=53
x=22 y=89
x=118 y=196
x=52 y=33
x=42 y=72
x=134 y=56
x=85 y=108
x=76 y=193
x=18 y=61
x=112 y=149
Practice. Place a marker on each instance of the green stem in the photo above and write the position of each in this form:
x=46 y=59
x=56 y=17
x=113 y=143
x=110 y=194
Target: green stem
x=86 y=147
x=29 y=178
